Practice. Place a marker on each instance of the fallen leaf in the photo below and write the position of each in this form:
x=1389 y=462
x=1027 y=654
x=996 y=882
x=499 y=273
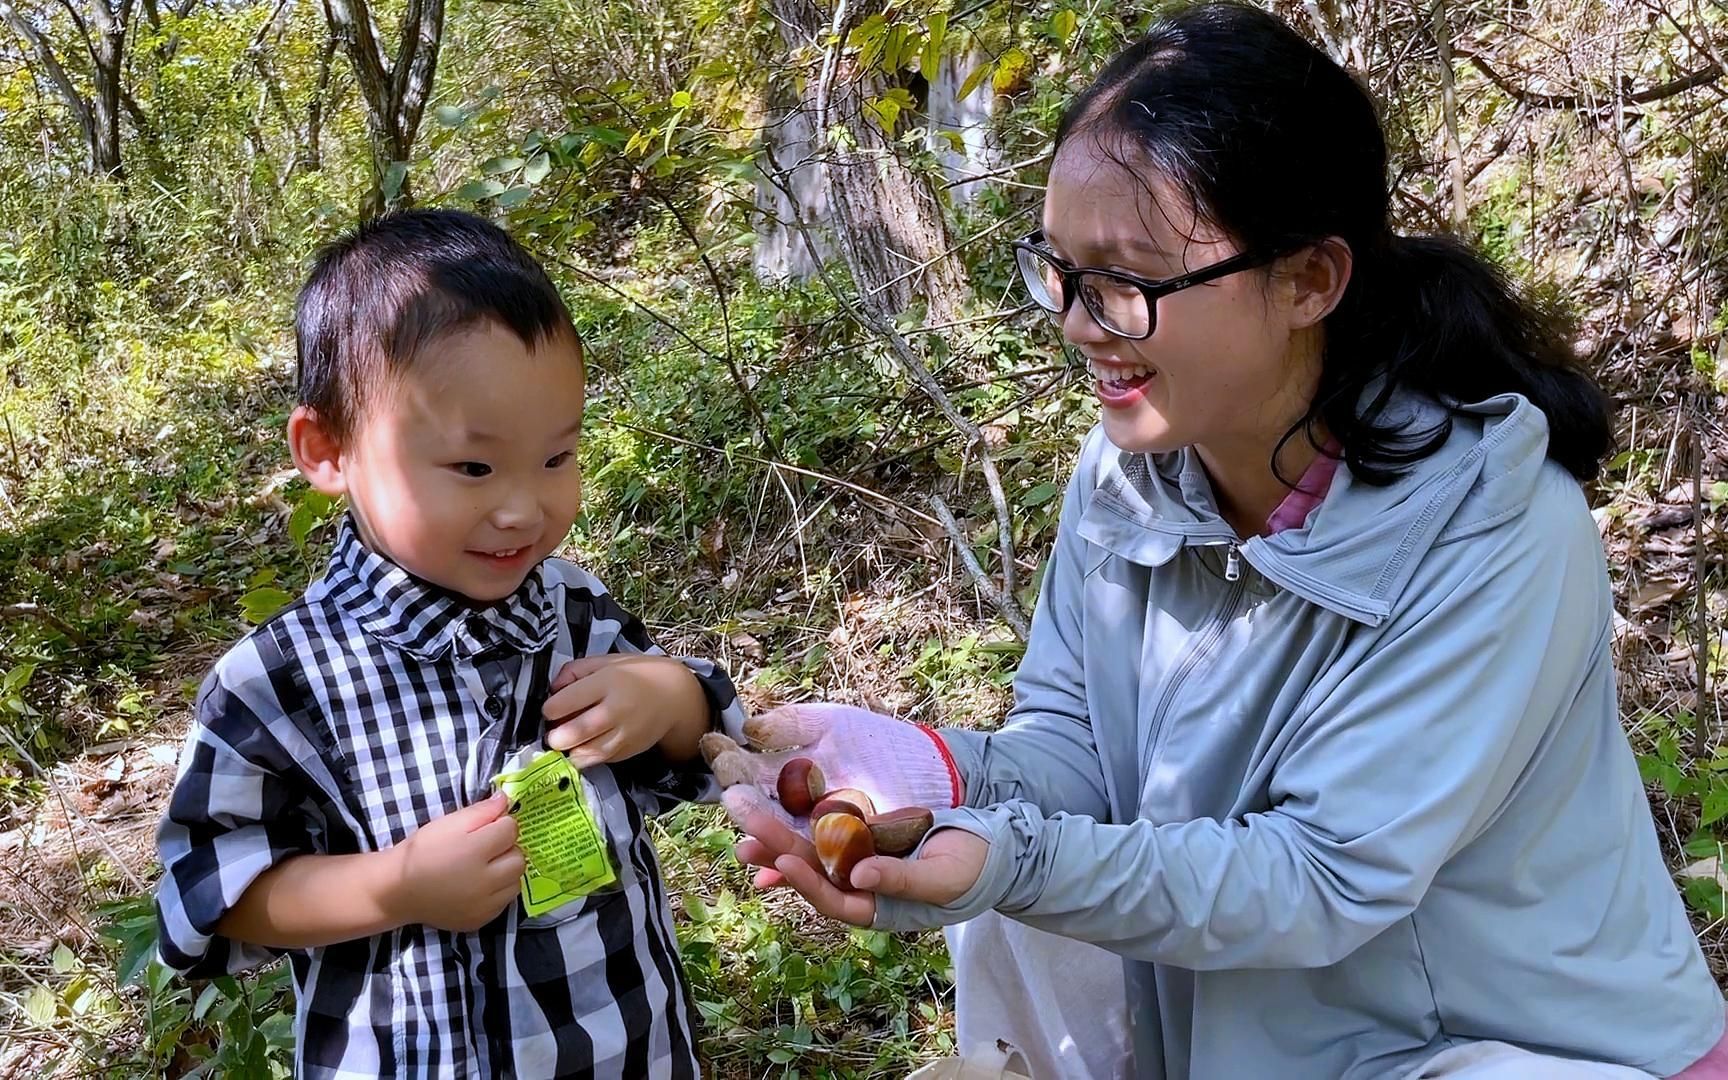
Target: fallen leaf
x=1667 y=518
x=748 y=645
x=1653 y=594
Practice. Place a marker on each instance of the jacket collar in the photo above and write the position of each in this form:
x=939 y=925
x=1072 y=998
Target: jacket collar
x=1358 y=550
x=424 y=620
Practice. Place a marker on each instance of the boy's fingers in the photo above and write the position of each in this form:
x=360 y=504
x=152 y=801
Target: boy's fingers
x=480 y=814
x=496 y=837
x=584 y=666
x=768 y=879
x=580 y=729
x=508 y=866
x=574 y=698
x=754 y=853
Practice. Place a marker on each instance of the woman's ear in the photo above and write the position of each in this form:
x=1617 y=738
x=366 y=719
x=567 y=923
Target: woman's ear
x=1319 y=274
x=316 y=450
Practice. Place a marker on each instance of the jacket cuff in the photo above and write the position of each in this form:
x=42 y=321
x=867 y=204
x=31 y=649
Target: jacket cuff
x=995 y=827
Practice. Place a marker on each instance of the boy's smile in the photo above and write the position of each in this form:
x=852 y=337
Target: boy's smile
x=463 y=468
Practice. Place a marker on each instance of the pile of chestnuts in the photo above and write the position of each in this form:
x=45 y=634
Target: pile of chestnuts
x=844 y=823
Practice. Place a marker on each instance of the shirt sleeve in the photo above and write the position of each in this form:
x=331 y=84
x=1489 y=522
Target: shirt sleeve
x=240 y=806
x=656 y=784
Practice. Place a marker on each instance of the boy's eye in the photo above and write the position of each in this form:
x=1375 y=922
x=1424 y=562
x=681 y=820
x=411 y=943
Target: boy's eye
x=556 y=460
x=473 y=469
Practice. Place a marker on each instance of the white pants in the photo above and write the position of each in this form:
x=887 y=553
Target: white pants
x=1062 y=1003
x=1502 y=1061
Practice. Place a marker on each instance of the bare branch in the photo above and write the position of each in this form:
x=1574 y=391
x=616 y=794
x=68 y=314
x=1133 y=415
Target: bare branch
x=50 y=65
x=1004 y=603
x=1704 y=76
x=41 y=614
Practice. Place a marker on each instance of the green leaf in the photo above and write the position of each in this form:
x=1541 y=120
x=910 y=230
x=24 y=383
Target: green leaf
x=887 y=108
x=451 y=115
x=300 y=524
x=17 y=677
x=1062 y=24
x=515 y=196
x=1039 y=495
x=259 y=604
x=930 y=60
x=394 y=174
x=206 y=998
x=537 y=168
x=682 y=100
x=494 y=165
x=41 y=1006
x=973 y=81
x=136 y=956
x=476 y=190
x=64 y=960
x=696 y=909
x=1012 y=69
x=1715 y=805
x=1703 y=847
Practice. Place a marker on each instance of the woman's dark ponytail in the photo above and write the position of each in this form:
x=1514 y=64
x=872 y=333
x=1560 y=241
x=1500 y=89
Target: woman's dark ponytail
x=1430 y=314
x=1277 y=146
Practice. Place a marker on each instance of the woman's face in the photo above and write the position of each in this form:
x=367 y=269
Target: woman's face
x=1225 y=368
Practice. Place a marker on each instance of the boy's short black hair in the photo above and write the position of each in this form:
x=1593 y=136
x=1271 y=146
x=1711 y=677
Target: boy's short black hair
x=380 y=294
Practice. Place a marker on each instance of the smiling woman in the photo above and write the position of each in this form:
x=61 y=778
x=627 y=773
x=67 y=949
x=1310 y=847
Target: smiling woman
x=1317 y=727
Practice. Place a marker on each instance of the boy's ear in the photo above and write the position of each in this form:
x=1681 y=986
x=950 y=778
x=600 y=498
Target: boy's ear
x=317 y=453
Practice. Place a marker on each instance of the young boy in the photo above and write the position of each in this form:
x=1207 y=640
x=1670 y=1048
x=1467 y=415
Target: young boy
x=335 y=796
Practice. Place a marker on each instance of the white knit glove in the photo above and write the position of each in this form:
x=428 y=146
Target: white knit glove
x=895 y=762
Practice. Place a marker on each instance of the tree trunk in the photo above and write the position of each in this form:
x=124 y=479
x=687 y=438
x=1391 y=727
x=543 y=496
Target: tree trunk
x=893 y=236
x=312 y=156
x=394 y=92
x=108 y=52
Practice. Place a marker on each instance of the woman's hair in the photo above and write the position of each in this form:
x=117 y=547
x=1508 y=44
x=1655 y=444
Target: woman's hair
x=1279 y=148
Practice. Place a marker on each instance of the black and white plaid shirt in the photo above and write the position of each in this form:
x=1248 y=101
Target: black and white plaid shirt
x=367 y=708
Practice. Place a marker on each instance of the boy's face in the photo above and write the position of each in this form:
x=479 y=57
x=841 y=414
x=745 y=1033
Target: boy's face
x=464 y=471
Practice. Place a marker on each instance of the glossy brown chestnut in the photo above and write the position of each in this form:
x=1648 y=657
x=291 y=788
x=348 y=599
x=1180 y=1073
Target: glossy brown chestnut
x=800 y=785
x=898 y=831
x=841 y=842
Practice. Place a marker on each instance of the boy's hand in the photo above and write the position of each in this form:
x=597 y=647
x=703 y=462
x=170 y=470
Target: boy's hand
x=613 y=707
x=459 y=871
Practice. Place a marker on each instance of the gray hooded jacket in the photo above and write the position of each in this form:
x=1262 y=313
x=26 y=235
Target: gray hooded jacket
x=1346 y=795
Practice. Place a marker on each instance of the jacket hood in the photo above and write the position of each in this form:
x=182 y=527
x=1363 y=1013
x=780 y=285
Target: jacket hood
x=1359 y=548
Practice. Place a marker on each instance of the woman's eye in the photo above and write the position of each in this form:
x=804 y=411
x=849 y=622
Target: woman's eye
x=473 y=469
x=557 y=460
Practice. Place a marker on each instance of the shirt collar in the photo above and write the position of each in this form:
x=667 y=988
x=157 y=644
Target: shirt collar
x=426 y=621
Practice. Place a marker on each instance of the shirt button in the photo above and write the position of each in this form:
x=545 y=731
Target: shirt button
x=494 y=706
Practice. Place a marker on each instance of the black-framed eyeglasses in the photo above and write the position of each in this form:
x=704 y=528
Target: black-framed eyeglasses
x=1123 y=304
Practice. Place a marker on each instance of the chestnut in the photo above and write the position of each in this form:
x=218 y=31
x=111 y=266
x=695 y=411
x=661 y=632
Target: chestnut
x=800 y=785
x=898 y=831
x=842 y=841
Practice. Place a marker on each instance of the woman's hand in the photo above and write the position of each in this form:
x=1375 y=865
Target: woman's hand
x=946 y=867
x=895 y=762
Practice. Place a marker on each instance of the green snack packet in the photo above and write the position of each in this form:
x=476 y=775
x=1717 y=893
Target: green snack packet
x=563 y=845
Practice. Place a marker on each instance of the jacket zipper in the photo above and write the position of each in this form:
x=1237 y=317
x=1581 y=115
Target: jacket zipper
x=1214 y=630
